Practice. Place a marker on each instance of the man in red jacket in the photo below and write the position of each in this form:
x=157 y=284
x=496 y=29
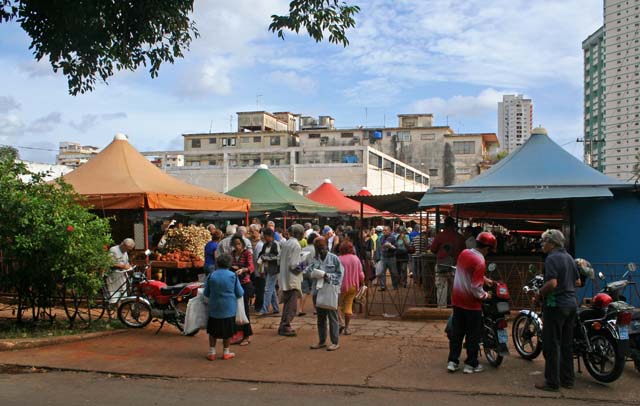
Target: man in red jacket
x=446 y=246
x=467 y=300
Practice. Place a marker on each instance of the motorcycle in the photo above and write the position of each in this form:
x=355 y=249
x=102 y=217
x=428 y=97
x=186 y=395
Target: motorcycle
x=601 y=332
x=152 y=298
x=616 y=291
x=494 y=336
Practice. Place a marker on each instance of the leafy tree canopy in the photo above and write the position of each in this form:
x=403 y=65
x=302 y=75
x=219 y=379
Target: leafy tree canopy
x=88 y=40
x=318 y=17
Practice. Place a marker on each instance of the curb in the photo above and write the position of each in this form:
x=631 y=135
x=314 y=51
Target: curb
x=26 y=343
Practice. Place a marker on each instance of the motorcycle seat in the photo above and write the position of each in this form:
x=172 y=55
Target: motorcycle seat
x=587 y=313
x=172 y=290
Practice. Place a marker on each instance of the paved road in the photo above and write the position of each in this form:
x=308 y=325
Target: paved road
x=71 y=389
x=382 y=357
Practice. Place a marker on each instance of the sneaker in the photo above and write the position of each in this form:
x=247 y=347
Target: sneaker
x=317 y=346
x=468 y=369
x=452 y=366
x=228 y=355
x=289 y=333
x=211 y=357
x=333 y=347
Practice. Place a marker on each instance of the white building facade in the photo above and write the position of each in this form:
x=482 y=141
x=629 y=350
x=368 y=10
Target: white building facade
x=515 y=121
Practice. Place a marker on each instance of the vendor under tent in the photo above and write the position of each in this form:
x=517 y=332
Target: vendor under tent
x=120 y=178
x=268 y=194
x=540 y=186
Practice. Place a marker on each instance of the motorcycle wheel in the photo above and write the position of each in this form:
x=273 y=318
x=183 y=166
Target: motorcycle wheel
x=604 y=364
x=134 y=314
x=527 y=337
x=490 y=351
x=181 y=311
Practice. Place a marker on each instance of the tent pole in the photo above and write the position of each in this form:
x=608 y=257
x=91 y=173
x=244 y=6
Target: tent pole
x=146 y=235
x=437 y=219
x=284 y=219
x=246 y=219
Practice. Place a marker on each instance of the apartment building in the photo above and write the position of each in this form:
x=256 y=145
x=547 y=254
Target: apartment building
x=73 y=154
x=612 y=90
x=515 y=121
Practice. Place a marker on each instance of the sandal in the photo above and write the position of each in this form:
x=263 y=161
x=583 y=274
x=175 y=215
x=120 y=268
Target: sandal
x=244 y=343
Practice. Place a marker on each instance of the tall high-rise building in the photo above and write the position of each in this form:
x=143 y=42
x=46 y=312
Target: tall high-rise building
x=612 y=90
x=594 y=109
x=515 y=120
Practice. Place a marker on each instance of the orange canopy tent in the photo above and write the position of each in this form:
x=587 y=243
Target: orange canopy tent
x=328 y=194
x=119 y=177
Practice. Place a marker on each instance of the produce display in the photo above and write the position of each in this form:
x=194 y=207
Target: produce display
x=179 y=256
x=186 y=241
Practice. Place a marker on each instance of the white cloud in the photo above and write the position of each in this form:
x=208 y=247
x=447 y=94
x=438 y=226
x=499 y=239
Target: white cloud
x=7 y=104
x=462 y=106
x=294 y=81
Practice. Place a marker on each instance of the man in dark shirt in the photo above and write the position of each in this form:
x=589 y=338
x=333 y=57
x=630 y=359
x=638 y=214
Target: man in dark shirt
x=387 y=244
x=558 y=295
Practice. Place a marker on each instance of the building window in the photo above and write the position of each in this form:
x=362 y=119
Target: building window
x=212 y=163
x=433 y=172
x=427 y=137
x=246 y=140
x=212 y=140
x=275 y=141
x=195 y=143
x=228 y=142
x=403 y=136
x=463 y=171
x=346 y=135
x=314 y=136
x=256 y=139
x=464 y=147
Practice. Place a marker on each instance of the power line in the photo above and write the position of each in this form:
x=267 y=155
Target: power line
x=33 y=148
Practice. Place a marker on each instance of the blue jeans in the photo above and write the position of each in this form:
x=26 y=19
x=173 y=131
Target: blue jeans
x=270 y=296
x=390 y=264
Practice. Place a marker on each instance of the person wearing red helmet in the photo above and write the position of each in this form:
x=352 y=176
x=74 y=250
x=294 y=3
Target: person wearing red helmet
x=467 y=300
x=558 y=296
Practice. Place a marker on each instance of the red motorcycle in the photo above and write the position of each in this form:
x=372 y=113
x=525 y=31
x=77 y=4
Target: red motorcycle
x=151 y=298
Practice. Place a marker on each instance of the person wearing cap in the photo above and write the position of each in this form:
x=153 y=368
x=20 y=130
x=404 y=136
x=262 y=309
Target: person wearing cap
x=447 y=245
x=559 y=305
x=466 y=298
x=116 y=279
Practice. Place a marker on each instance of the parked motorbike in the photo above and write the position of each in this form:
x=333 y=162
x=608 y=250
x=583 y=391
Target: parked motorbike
x=152 y=298
x=601 y=332
x=616 y=289
x=494 y=323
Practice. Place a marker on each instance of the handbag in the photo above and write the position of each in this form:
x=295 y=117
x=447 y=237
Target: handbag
x=361 y=296
x=327 y=297
x=241 y=316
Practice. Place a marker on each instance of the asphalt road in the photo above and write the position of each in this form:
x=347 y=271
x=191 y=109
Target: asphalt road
x=21 y=387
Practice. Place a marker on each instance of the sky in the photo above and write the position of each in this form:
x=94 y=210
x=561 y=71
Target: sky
x=454 y=59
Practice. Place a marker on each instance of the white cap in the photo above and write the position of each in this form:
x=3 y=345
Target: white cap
x=327 y=181
x=120 y=137
x=263 y=166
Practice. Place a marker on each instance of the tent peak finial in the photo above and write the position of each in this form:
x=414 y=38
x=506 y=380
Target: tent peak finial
x=120 y=137
x=263 y=166
x=539 y=130
x=327 y=181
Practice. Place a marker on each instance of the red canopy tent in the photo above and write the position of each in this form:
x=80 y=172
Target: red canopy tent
x=364 y=192
x=328 y=194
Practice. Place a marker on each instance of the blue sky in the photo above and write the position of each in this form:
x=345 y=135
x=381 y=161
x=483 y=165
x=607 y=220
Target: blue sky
x=454 y=59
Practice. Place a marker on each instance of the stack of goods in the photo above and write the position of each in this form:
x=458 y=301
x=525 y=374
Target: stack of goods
x=191 y=238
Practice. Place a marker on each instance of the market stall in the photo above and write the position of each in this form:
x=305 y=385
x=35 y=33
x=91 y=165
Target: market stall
x=121 y=181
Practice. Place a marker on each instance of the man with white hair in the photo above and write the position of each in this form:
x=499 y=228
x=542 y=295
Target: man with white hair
x=242 y=231
x=276 y=235
x=225 y=245
x=120 y=253
x=559 y=304
x=290 y=279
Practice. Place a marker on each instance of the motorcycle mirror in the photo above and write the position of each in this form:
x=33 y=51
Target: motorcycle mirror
x=492 y=267
x=147 y=252
x=601 y=275
x=632 y=267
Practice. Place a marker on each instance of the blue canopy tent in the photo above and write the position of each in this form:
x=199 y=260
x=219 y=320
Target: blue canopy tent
x=540 y=180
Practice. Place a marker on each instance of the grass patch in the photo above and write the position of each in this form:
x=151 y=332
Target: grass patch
x=10 y=329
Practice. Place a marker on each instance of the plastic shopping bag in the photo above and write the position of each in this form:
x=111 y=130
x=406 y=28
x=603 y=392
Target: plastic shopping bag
x=328 y=297
x=241 y=316
x=197 y=315
x=379 y=269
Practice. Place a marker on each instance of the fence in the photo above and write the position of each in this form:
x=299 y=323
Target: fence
x=421 y=292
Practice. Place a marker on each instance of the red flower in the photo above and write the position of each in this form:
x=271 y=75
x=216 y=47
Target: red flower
x=70 y=229
x=106 y=247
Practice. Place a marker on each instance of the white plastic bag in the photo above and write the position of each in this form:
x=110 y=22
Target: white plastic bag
x=197 y=315
x=327 y=297
x=380 y=269
x=241 y=316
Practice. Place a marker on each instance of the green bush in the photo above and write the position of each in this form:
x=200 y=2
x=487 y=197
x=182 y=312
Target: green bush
x=47 y=239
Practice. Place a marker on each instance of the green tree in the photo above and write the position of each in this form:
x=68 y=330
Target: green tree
x=87 y=39
x=47 y=238
x=318 y=17
x=8 y=154
x=449 y=172
x=500 y=156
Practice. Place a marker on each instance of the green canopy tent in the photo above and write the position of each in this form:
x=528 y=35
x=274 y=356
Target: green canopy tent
x=268 y=194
